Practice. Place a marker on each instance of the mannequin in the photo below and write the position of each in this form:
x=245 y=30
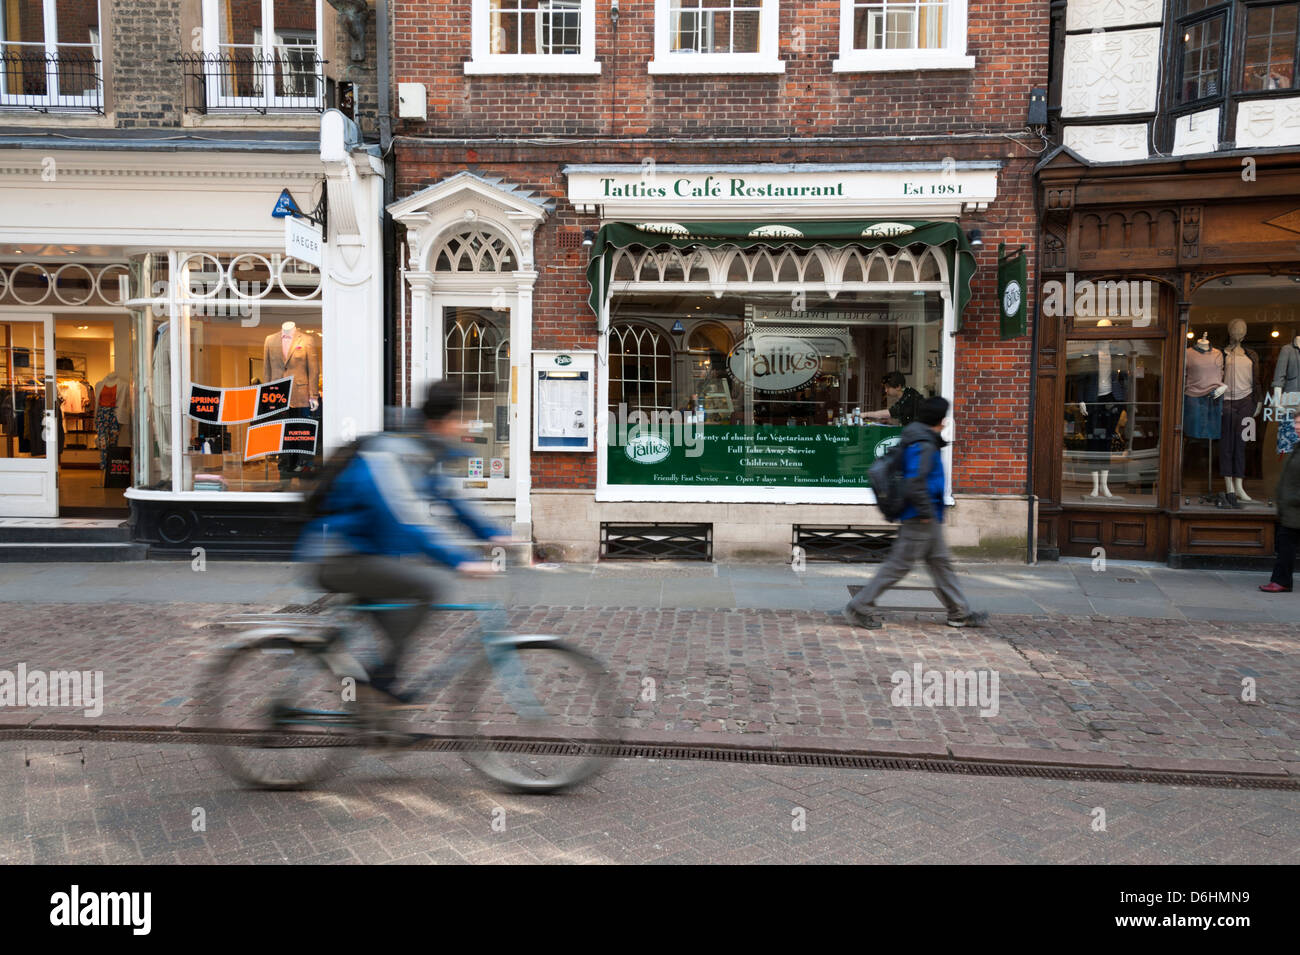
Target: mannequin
x=1102 y=388
x=1242 y=401
x=1286 y=389
x=161 y=397
x=289 y=353
x=112 y=406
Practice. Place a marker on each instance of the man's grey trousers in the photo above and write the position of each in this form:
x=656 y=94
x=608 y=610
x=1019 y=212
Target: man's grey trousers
x=916 y=541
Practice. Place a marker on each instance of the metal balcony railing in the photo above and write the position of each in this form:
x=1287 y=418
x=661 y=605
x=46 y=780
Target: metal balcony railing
x=289 y=80
x=64 y=81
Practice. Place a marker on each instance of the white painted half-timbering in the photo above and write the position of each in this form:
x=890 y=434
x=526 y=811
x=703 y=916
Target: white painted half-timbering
x=1111 y=73
x=1108 y=143
x=1271 y=122
x=1092 y=14
x=1197 y=133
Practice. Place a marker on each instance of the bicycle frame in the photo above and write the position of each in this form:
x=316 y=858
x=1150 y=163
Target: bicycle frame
x=497 y=645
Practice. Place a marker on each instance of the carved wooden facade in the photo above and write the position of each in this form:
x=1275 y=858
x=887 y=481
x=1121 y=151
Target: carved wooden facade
x=1180 y=224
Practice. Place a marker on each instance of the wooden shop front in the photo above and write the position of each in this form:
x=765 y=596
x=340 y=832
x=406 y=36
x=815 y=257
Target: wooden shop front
x=1151 y=268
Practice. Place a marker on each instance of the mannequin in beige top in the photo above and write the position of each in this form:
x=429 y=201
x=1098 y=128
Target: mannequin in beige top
x=289 y=353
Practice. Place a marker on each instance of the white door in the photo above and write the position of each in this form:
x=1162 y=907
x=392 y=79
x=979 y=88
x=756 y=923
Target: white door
x=29 y=448
x=476 y=356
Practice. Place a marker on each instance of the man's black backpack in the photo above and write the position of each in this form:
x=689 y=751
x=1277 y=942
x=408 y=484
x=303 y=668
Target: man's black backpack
x=886 y=476
x=336 y=464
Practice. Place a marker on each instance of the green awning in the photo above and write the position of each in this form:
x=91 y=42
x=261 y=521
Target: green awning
x=868 y=233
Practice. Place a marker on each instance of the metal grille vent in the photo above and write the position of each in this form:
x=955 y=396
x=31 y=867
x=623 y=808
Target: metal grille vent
x=656 y=541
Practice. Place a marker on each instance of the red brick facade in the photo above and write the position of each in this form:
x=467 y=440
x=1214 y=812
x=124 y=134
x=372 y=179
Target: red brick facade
x=810 y=114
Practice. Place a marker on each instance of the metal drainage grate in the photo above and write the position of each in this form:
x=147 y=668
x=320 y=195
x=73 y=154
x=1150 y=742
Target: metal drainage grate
x=844 y=543
x=631 y=750
x=655 y=541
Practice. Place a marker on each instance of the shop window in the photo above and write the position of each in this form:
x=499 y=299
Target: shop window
x=249 y=390
x=532 y=36
x=770 y=394
x=259 y=448
x=640 y=369
x=1112 y=422
x=262 y=55
x=1241 y=385
x=902 y=35
x=716 y=36
x=50 y=56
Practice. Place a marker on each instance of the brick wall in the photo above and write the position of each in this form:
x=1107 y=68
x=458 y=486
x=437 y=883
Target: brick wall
x=1008 y=38
x=146 y=87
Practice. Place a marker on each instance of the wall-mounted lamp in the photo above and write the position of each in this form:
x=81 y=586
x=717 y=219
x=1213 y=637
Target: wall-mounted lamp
x=976 y=242
x=613 y=12
x=588 y=237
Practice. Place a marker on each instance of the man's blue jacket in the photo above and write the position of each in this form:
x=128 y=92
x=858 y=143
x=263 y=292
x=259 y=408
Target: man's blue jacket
x=923 y=474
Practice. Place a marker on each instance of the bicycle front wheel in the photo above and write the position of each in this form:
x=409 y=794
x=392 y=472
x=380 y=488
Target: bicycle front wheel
x=542 y=714
x=286 y=720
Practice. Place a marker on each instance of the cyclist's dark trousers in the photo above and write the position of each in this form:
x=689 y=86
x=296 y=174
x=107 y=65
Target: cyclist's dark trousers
x=382 y=580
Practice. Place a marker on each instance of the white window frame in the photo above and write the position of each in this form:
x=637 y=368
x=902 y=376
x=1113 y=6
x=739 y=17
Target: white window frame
x=953 y=56
x=54 y=96
x=483 y=61
x=267 y=38
x=766 y=60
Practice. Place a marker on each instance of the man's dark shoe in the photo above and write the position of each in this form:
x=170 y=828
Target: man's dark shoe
x=856 y=619
x=976 y=618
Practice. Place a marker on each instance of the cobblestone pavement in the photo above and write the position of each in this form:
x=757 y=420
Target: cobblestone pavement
x=1159 y=694
x=140 y=804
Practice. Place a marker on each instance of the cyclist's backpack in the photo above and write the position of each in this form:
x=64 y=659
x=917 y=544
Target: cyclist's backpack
x=886 y=476
x=314 y=503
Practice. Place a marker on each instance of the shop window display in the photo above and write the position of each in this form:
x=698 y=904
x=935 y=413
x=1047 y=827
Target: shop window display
x=1241 y=383
x=264 y=439
x=1111 y=421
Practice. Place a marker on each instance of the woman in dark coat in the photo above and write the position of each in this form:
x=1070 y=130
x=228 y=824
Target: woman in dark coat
x=1288 y=522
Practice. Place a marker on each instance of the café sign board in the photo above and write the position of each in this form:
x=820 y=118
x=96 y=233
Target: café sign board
x=836 y=190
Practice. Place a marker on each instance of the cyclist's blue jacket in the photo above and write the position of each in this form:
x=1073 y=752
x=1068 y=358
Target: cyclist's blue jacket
x=390 y=500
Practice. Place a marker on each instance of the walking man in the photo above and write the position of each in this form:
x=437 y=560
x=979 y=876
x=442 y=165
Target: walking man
x=921 y=535
x=1287 y=496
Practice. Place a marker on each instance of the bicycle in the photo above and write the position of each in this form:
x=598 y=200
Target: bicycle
x=538 y=713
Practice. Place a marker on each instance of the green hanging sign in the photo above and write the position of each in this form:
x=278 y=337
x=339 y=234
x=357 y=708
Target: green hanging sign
x=1013 y=292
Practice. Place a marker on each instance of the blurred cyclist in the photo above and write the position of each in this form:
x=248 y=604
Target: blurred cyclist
x=376 y=504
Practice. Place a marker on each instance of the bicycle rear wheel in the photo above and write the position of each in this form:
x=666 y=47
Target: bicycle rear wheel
x=542 y=714
x=286 y=719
